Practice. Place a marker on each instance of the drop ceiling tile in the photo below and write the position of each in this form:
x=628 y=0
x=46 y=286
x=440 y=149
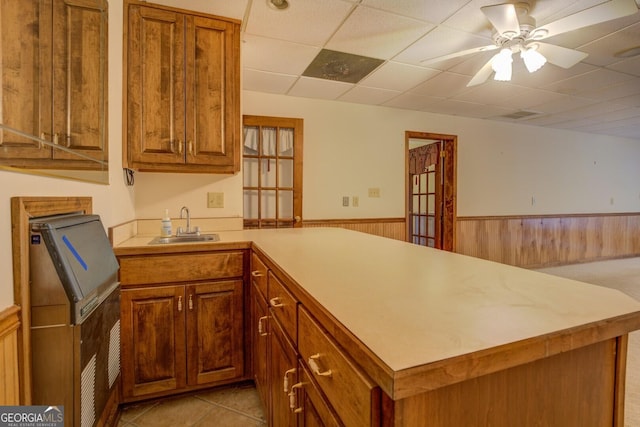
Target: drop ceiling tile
x=630 y=101
x=411 y=101
x=471 y=19
x=396 y=76
x=629 y=65
x=377 y=34
x=435 y=12
x=264 y=54
x=466 y=109
x=615 y=91
x=596 y=111
x=309 y=22
x=587 y=82
x=444 y=85
x=501 y=94
x=441 y=41
x=261 y=81
x=319 y=88
x=369 y=95
x=549 y=74
x=562 y=103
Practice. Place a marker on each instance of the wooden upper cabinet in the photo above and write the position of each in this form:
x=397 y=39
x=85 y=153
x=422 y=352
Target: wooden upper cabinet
x=54 y=83
x=182 y=103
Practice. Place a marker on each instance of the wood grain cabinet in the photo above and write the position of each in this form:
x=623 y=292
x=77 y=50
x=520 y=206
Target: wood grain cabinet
x=182 y=91
x=181 y=321
x=309 y=380
x=54 y=82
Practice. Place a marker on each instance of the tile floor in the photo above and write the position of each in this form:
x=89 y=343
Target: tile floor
x=234 y=406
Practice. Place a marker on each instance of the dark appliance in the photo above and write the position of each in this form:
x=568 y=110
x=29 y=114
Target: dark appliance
x=75 y=316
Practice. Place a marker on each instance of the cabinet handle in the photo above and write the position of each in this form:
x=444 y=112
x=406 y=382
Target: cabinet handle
x=275 y=302
x=285 y=382
x=315 y=368
x=190 y=302
x=261 y=331
x=180 y=303
x=257 y=273
x=292 y=398
x=190 y=147
x=179 y=143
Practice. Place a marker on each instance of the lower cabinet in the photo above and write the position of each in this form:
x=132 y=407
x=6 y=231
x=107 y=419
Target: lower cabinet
x=309 y=380
x=178 y=336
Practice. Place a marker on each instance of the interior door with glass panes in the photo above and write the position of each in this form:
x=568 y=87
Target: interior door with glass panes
x=272 y=172
x=425 y=226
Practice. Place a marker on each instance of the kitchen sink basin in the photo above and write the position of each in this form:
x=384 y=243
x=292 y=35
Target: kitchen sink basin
x=185 y=239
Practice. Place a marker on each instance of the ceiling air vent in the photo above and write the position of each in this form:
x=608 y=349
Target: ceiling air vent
x=340 y=66
x=522 y=114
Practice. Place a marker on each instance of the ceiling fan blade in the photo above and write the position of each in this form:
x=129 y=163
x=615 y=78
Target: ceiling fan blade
x=561 y=56
x=482 y=75
x=457 y=54
x=503 y=17
x=613 y=9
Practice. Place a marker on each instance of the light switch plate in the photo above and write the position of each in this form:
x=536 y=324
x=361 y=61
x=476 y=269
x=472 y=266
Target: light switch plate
x=215 y=200
x=374 y=192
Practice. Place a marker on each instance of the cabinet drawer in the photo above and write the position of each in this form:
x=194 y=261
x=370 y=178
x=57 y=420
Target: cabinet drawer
x=152 y=269
x=259 y=274
x=354 y=397
x=283 y=307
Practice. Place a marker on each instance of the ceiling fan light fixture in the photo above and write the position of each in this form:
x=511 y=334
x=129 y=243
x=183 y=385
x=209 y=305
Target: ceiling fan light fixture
x=533 y=59
x=501 y=64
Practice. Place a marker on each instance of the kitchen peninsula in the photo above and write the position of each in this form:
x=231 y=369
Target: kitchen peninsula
x=431 y=335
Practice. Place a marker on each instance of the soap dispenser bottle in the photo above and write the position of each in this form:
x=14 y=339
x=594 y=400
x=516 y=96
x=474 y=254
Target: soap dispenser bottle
x=165 y=230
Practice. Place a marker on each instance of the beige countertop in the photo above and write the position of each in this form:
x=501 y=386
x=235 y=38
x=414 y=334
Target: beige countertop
x=414 y=306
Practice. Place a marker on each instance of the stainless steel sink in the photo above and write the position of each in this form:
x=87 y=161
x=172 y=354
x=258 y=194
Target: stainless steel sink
x=185 y=239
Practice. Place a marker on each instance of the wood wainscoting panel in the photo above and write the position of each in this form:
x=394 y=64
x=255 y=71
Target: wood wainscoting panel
x=10 y=386
x=547 y=240
x=393 y=228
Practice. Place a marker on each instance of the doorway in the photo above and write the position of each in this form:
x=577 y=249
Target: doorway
x=431 y=189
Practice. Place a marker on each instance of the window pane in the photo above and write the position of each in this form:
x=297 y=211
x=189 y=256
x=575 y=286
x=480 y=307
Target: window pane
x=250 y=204
x=285 y=172
x=432 y=226
x=250 y=140
x=432 y=204
x=268 y=173
x=416 y=205
x=432 y=183
x=285 y=147
x=285 y=204
x=423 y=182
x=268 y=141
x=431 y=243
x=268 y=204
x=423 y=204
x=250 y=172
x=415 y=188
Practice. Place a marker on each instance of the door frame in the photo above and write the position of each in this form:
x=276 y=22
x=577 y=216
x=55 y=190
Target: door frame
x=449 y=196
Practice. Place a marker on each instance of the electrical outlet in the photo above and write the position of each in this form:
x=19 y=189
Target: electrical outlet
x=355 y=201
x=215 y=200
x=374 y=192
x=345 y=201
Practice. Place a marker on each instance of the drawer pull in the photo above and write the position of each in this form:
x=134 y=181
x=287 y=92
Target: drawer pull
x=190 y=302
x=315 y=368
x=285 y=382
x=179 y=303
x=292 y=398
x=257 y=273
x=275 y=302
x=261 y=331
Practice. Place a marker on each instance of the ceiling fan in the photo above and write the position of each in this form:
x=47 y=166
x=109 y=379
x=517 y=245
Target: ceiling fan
x=516 y=32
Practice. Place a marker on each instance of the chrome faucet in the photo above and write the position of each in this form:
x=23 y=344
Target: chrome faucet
x=182 y=211
x=181 y=232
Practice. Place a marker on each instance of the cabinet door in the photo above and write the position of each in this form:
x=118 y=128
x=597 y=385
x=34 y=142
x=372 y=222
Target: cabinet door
x=259 y=334
x=79 y=70
x=312 y=407
x=213 y=115
x=283 y=374
x=153 y=345
x=214 y=331
x=155 y=86
x=25 y=40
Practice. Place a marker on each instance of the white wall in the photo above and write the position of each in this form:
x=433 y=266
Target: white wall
x=349 y=148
